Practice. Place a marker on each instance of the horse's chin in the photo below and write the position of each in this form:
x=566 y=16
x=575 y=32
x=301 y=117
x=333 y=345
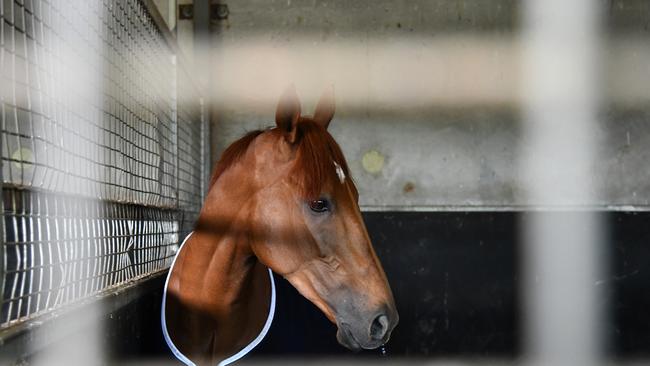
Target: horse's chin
x=346 y=338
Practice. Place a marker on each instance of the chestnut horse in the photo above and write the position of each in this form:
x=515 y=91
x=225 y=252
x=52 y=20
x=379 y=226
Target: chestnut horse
x=280 y=200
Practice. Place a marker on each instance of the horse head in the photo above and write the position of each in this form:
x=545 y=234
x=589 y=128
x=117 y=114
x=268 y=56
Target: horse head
x=315 y=237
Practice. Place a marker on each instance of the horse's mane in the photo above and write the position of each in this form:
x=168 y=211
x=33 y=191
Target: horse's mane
x=315 y=156
x=232 y=154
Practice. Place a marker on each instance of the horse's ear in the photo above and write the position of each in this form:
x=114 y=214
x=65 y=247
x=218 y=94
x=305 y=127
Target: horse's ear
x=287 y=114
x=325 y=108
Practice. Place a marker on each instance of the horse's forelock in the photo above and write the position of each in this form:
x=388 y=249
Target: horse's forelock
x=316 y=155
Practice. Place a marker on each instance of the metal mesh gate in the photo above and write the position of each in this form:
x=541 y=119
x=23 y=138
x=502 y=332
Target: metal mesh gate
x=99 y=152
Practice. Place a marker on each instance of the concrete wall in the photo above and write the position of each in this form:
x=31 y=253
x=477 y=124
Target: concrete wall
x=428 y=96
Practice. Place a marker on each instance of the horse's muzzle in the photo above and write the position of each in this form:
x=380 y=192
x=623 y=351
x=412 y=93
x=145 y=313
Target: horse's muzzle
x=357 y=335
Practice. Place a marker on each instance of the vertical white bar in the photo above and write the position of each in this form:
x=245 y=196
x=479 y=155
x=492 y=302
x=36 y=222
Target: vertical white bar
x=562 y=249
x=78 y=79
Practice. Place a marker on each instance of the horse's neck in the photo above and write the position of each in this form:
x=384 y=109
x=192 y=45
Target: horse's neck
x=219 y=272
x=218 y=292
x=220 y=286
x=220 y=247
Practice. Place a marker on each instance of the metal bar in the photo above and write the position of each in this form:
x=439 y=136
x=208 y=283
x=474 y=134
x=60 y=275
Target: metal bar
x=3 y=230
x=562 y=257
x=203 y=155
x=174 y=92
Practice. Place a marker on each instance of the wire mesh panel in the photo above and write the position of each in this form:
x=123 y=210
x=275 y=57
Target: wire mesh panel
x=98 y=151
x=89 y=107
x=59 y=249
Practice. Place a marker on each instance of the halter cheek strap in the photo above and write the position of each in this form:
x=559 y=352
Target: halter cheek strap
x=244 y=351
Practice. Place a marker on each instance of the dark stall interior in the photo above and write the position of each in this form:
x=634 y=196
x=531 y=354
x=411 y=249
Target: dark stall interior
x=460 y=300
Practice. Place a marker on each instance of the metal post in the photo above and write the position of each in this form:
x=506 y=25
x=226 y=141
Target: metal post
x=562 y=243
x=3 y=247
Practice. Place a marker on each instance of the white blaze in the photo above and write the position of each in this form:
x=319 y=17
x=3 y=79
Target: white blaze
x=339 y=172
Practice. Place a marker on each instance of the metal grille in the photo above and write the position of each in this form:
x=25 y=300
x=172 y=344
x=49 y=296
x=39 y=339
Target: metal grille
x=59 y=249
x=68 y=129
x=99 y=152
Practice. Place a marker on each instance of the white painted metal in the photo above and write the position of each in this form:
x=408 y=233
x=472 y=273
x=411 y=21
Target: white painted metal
x=562 y=251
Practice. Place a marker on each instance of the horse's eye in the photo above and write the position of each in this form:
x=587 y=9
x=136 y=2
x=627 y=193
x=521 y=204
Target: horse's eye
x=319 y=205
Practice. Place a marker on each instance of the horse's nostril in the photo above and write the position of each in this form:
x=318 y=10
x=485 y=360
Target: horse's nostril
x=379 y=327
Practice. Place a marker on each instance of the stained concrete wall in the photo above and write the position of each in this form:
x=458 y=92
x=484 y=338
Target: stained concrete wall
x=451 y=153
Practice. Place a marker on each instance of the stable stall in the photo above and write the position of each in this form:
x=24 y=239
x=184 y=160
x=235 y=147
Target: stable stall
x=499 y=151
